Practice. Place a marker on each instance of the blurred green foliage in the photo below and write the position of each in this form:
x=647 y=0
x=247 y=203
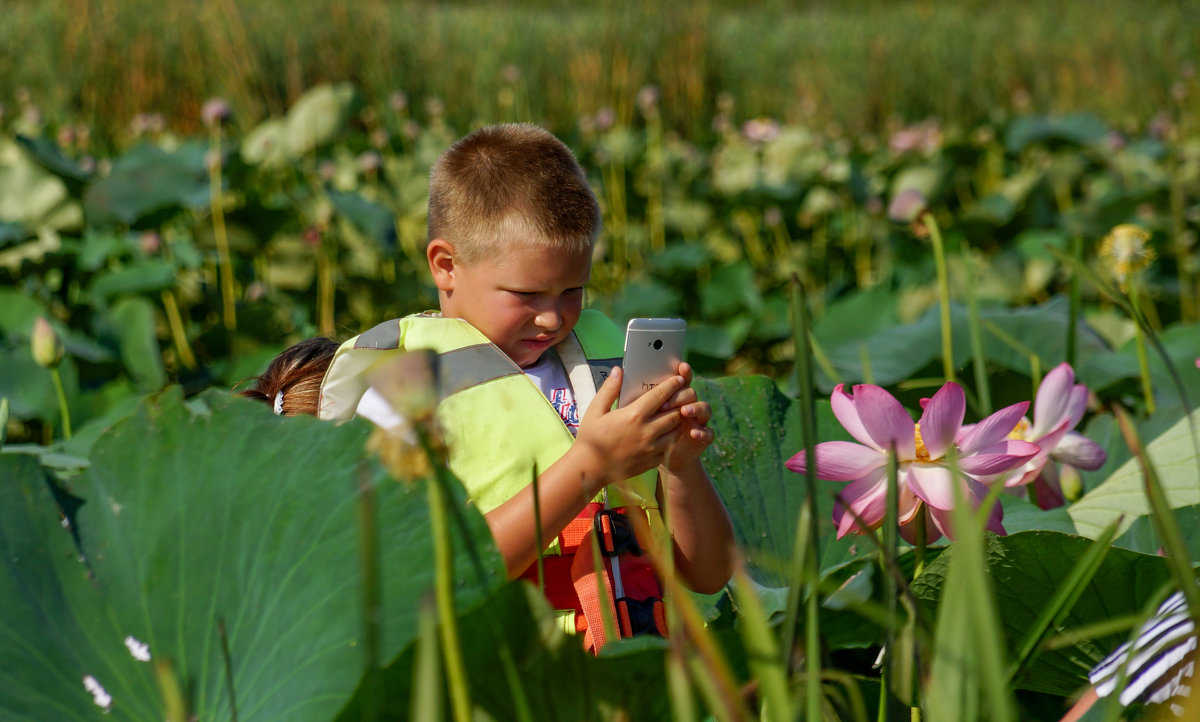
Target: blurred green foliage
x=858 y=64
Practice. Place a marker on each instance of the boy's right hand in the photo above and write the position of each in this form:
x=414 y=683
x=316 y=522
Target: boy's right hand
x=625 y=442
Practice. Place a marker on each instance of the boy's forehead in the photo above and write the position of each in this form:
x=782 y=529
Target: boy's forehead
x=540 y=259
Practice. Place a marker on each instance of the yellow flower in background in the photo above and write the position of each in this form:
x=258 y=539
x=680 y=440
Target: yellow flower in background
x=1126 y=251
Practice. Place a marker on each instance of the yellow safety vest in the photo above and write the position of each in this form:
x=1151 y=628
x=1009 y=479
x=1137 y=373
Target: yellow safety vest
x=498 y=425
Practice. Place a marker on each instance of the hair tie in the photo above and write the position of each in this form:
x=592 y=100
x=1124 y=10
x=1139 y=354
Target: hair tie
x=279 y=403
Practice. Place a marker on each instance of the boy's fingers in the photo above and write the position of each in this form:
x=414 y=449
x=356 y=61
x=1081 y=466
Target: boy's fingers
x=698 y=412
x=682 y=398
x=657 y=396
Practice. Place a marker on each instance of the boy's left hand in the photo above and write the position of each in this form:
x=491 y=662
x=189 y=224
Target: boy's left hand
x=695 y=435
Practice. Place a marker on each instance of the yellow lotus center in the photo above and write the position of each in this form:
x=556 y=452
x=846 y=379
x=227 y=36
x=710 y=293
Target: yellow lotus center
x=1020 y=430
x=922 y=452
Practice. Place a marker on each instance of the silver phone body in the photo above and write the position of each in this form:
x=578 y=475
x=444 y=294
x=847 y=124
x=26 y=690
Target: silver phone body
x=653 y=351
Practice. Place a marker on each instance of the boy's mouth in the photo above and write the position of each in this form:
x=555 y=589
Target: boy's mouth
x=538 y=344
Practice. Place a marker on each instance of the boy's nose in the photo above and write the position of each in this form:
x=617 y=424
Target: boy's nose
x=549 y=319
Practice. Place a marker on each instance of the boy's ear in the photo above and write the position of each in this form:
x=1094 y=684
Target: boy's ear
x=442 y=262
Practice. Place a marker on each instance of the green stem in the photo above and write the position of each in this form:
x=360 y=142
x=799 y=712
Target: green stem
x=456 y=676
x=63 y=411
x=888 y=703
x=919 y=547
x=808 y=427
x=229 y=310
x=982 y=389
x=325 y=321
x=939 y=256
x=178 y=335
x=1073 y=308
x=1143 y=360
x=1183 y=257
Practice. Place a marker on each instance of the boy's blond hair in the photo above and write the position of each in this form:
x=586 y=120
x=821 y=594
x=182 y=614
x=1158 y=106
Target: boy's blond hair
x=513 y=181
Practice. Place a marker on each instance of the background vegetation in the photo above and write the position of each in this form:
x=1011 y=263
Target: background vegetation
x=751 y=166
x=858 y=64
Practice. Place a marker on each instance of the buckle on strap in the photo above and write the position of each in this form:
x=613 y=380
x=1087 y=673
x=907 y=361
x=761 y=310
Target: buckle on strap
x=615 y=533
x=637 y=617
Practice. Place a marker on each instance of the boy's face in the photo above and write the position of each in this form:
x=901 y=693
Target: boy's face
x=524 y=298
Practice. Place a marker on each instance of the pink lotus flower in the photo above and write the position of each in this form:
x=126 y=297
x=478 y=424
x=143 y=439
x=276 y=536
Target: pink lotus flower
x=1057 y=410
x=933 y=457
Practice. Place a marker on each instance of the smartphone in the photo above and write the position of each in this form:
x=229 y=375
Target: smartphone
x=653 y=350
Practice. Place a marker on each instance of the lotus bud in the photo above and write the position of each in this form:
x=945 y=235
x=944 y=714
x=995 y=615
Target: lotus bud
x=907 y=206
x=409 y=384
x=369 y=162
x=326 y=170
x=256 y=291
x=605 y=119
x=47 y=346
x=65 y=136
x=647 y=100
x=773 y=217
x=215 y=112
x=150 y=242
x=399 y=101
x=1126 y=251
x=760 y=130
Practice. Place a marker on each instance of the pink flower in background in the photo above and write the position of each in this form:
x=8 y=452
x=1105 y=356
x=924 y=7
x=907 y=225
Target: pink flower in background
x=1057 y=410
x=934 y=455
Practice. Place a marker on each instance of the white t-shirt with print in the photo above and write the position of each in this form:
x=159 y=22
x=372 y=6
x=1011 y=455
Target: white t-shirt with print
x=549 y=375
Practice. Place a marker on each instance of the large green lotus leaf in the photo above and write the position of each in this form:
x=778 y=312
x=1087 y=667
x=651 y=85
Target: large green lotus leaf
x=856 y=317
x=138 y=278
x=133 y=320
x=48 y=648
x=732 y=288
x=1026 y=570
x=1076 y=128
x=895 y=353
x=1182 y=344
x=1123 y=494
x=214 y=512
x=18 y=311
x=149 y=180
x=11 y=233
x=31 y=195
x=757 y=430
x=319 y=116
x=373 y=219
x=47 y=154
x=266 y=144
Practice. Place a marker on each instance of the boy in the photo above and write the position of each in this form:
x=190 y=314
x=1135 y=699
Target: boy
x=512 y=221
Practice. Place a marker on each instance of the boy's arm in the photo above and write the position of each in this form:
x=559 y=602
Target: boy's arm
x=700 y=526
x=612 y=445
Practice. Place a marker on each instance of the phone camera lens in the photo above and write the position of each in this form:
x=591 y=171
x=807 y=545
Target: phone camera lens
x=657 y=344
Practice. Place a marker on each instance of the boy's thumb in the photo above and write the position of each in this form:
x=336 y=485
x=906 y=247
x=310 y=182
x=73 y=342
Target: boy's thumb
x=609 y=391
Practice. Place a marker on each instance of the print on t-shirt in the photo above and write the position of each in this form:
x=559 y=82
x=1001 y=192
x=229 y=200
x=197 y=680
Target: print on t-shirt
x=564 y=403
x=550 y=376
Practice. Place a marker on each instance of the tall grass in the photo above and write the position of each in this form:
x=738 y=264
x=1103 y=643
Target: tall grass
x=855 y=64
